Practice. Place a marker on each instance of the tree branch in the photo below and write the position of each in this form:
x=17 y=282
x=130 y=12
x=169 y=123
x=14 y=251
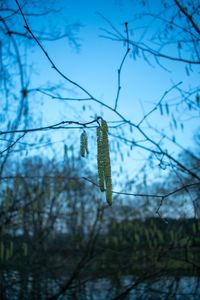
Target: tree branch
x=188 y=16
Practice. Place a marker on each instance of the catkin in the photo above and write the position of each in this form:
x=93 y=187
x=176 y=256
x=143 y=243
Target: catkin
x=103 y=161
x=100 y=159
x=2 y=250
x=83 y=144
x=107 y=167
x=25 y=249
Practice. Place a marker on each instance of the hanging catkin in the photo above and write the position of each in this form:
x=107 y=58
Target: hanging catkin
x=107 y=167
x=103 y=161
x=83 y=144
x=100 y=164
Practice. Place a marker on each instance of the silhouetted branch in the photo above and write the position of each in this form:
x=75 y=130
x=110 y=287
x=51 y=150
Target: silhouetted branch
x=163 y=197
x=188 y=16
x=121 y=66
x=12 y=144
x=159 y=102
x=26 y=26
x=59 y=125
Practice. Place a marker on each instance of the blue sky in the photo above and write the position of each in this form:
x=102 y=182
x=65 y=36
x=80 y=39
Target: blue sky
x=94 y=66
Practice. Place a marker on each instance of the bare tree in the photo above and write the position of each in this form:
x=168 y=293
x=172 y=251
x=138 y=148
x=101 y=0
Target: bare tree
x=16 y=68
x=33 y=197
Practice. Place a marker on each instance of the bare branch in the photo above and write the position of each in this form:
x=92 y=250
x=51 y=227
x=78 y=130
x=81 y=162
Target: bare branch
x=59 y=125
x=121 y=66
x=188 y=16
x=26 y=26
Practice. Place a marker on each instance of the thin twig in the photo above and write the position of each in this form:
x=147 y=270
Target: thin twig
x=121 y=65
x=11 y=145
x=188 y=16
x=148 y=195
x=26 y=26
x=159 y=102
x=51 y=127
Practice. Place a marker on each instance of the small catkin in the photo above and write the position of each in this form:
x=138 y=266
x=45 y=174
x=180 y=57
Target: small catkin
x=83 y=144
x=11 y=249
x=2 y=250
x=25 y=249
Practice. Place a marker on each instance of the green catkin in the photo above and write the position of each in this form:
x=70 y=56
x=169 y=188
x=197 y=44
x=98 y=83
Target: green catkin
x=82 y=147
x=103 y=161
x=106 y=162
x=7 y=253
x=2 y=250
x=25 y=249
x=11 y=249
x=100 y=164
x=83 y=144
